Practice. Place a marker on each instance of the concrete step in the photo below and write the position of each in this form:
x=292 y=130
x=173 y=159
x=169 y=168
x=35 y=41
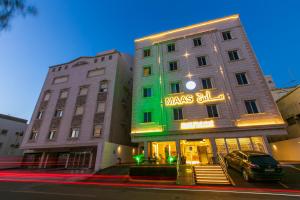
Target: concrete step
x=212 y=168
x=209 y=172
x=205 y=181
x=211 y=178
x=213 y=174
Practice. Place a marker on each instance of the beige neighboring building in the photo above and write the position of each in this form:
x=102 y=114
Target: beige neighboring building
x=81 y=118
x=198 y=91
x=287 y=147
x=277 y=93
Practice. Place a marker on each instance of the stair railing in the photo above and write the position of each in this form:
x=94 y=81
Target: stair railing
x=224 y=167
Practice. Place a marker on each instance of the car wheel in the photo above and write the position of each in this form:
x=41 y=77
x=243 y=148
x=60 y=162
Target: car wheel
x=246 y=175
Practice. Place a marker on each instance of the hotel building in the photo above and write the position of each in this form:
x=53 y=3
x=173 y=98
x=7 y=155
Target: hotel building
x=81 y=117
x=199 y=91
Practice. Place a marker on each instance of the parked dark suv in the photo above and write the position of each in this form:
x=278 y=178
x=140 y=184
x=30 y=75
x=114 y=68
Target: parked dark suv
x=254 y=165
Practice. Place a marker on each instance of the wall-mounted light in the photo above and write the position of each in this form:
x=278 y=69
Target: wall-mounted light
x=190 y=85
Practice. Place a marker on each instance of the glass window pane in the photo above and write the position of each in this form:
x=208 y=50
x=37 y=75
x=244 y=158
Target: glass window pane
x=258 y=144
x=79 y=110
x=221 y=146
x=232 y=144
x=97 y=130
x=83 y=91
x=101 y=107
x=245 y=144
x=64 y=94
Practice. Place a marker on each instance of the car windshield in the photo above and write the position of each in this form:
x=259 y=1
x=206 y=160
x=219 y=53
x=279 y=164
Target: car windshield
x=262 y=160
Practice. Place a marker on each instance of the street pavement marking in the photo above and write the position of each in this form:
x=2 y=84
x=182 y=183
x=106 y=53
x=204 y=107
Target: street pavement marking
x=54 y=193
x=218 y=191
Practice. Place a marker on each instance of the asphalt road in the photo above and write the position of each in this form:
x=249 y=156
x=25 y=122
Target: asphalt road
x=43 y=191
x=290 y=180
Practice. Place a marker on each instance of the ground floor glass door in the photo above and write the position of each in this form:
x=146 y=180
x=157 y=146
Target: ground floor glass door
x=196 y=151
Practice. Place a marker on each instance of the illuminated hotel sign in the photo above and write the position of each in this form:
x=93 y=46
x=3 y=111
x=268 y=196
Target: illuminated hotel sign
x=197 y=125
x=200 y=98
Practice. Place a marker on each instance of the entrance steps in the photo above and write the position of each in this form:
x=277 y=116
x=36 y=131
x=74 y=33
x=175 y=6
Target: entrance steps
x=210 y=174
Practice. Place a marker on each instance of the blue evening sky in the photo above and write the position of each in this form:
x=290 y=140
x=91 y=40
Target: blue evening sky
x=66 y=29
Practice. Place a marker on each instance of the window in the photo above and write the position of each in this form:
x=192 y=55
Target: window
x=233 y=55
x=100 y=107
x=59 y=68
x=147 y=117
x=79 y=110
x=177 y=113
x=75 y=132
x=103 y=86
x=58 y=113
x=95 y=72
x=51 y=134
x=97 y=130
x=171 y=47
x=147 y=53
x=147 y=92
x=40 y=115
x=47 y=96
x=197 y=42
x=251 y=106
x=147 y=71
x=226 y=35
x=83 y=91
x=175 y=88
x=4 y=131
x=33 y=135
x=110 y=57
x=102 y=58
x=206 y=83
x=173 y=65
x=241 y=78
x=63 y=94
x=212 y=111
x=202 y=61
x=61 y=79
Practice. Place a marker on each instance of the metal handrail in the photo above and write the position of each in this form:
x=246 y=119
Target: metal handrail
x=224 y=167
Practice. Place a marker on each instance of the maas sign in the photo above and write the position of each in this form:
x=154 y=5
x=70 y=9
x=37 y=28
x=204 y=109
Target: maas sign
x=199 y=98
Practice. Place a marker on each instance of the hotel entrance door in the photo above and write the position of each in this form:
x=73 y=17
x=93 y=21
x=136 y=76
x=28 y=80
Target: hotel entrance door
x=196 y=151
